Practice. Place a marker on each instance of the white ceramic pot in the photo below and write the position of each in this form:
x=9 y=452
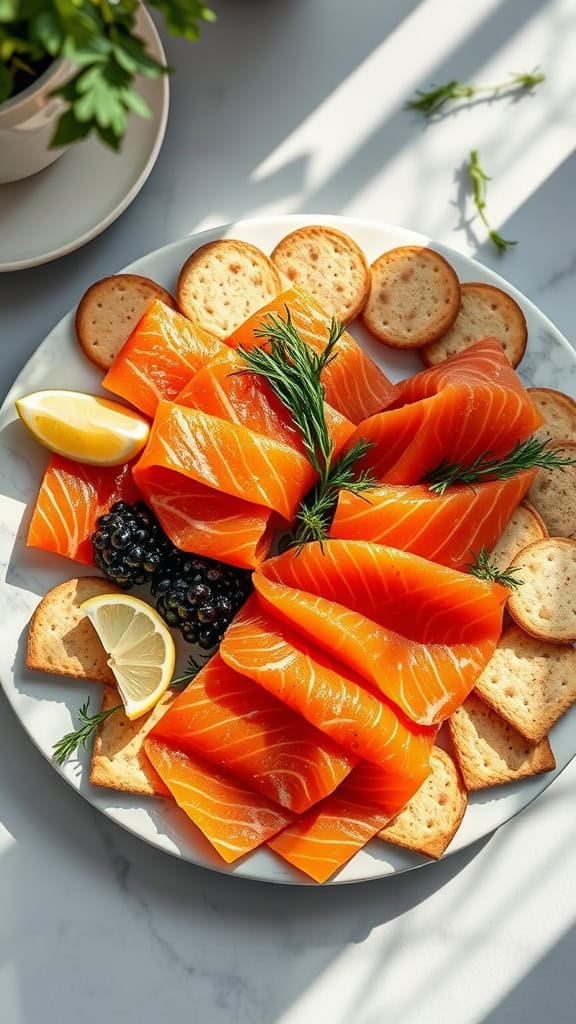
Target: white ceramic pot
x=27 y=123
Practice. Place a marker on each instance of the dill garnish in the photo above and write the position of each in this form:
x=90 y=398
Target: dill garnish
x=432 y=101
x=525 y=455
x=484 y=569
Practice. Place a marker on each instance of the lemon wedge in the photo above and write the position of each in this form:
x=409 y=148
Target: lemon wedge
x=139 y=646
x=83 y=427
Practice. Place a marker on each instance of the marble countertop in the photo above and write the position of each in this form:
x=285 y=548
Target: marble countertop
x=294 y=106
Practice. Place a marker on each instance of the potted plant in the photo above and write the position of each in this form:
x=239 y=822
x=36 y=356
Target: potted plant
x=68 y=69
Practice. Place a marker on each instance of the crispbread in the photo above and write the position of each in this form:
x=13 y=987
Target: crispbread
x=109 y=311
x=222 y=283
x=558 y=411
x=552 y=495
x=485 y=312
x=61 y=640
x=118 y=758
x=489 y=751
x=432 y=817
x=525 y=527
x=327 y=264
x=545 y=605
x=414 y=297
x=529 y=682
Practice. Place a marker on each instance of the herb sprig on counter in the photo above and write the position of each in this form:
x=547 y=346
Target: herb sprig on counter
x=479 y=179
x=484 y=569
x=293 y=370
x=528 y=454
x=432 y=101
x=71 y=741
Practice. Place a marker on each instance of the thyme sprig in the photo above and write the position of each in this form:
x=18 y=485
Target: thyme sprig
x=432 y=101
x=71 y=741
x=484 y=569
x=479 y=179
x=294 y=371
x=528 y=454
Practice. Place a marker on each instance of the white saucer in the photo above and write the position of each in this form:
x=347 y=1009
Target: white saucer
x=70 y=202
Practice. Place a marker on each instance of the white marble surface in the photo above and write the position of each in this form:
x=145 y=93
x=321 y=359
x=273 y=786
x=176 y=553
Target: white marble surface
x=296 y=106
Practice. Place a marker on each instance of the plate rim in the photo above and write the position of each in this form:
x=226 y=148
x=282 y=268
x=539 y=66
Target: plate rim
x=277 y=222
x=150 y=33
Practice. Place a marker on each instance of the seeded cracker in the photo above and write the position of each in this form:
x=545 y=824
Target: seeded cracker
x=432 y=817
x=223 y=283
x=414 y=297
x=553 y=495
x=109 y=311
x=558 y=411
x=485 y=312
x=490 y=752
x=118 y=759
x=545 y=605
x=529 y=682
x=525 y=527
x=327 y=264
x=61 y=639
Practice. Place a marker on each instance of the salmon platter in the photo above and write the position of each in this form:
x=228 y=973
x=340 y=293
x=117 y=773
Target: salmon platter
x=312 y=521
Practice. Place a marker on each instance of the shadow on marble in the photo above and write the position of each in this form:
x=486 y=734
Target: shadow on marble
x=546 y=992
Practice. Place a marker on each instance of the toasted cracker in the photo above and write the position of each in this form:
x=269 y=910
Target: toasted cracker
x=432 y=817
x=545 y=605
x=61 y=640
x=109 y=311
x=525 y=527
x=552 y=495
x=485 y=312
x=327 y=264
x=222 y=283
x=558 y=411
x=414 y=297
x=490 y=752
x=118 y=758
x=529 y=682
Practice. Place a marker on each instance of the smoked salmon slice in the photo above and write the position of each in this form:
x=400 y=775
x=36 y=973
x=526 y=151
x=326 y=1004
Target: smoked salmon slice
x=235 y=724
x=234 y=819
x=225 y=389
x=354 y=385
x=161 y=355
x=448 y=528
x=226 y=457
x=206 y=522
x=328 y=696
x=326 y=837
x=71 y=498
x=470 y=404
x=419 y=632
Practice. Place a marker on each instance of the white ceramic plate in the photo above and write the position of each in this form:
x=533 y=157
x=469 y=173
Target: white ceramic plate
x=77 y=197
x=47 y=706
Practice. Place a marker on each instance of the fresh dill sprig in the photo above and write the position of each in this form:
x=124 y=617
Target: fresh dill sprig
x=525 y=455
x=479 y=178
x=484 y=569
x=293 y=370
x=69 y=744
x=315 y=513
x=432 y=101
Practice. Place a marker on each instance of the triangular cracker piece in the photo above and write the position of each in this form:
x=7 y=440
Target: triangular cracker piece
x=490 y=751
x=118 y=758
x=432 y=817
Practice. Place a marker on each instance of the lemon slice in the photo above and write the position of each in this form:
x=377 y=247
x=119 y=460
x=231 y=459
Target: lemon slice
x=83 y=427
x=139 y=646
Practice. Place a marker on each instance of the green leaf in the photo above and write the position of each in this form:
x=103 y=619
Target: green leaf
x=183 y=17
x=137 y=103
x=46 y=28
x=68 y=130
x=6 y=83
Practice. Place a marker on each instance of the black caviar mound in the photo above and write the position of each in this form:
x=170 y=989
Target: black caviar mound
x=197 y=595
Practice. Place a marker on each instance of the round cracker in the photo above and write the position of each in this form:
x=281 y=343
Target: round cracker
x=552 y=495
x=224 y=282
x=558 y=412
x=414 y=297
x=545 y=605
x=485 y=312
x=525 y=527
x=109 y=311
x=62 y=640
x=327 y=264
